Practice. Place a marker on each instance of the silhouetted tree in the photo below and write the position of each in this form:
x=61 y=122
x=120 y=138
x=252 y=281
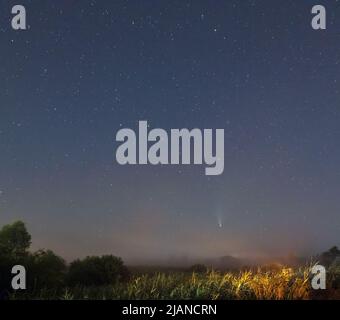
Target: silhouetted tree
x=96 y=271
x=328 y=257
x=14 y=245
x=14 y=239
x=46 y=270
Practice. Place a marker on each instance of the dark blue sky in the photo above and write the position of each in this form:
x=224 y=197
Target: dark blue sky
x=85 y=69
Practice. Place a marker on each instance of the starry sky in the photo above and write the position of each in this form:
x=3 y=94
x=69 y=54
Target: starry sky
x=255 y=68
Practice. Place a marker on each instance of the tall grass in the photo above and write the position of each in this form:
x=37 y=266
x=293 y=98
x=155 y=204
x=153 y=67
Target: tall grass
x=285 y=283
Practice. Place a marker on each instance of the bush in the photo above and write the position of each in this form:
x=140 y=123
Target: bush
x=45 y=270
x=329 y=257
x=97 y=271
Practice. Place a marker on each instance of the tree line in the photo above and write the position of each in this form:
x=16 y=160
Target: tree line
x=46 y=270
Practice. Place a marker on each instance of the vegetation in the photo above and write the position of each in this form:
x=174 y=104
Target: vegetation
x=329 y=257
x=106 y=277
x=97 y=271
x=14 y=240
x=259 y=284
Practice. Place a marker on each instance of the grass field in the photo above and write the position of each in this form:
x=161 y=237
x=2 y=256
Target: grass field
x=284 y=283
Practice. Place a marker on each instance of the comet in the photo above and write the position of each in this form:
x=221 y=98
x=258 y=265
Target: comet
x=219 y=221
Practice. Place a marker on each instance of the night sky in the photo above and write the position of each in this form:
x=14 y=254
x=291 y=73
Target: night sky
x=85 y=69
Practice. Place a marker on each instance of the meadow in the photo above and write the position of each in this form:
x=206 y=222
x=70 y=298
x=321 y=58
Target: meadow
x=280 y=284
